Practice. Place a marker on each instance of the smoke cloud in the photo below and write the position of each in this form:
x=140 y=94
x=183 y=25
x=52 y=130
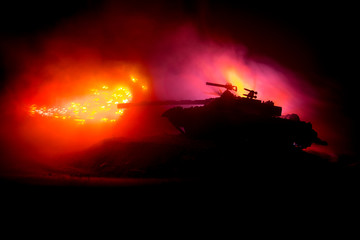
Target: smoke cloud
x=166 y=53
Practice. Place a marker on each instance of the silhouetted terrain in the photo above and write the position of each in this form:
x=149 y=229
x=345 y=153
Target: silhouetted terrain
x=176 y=175
x=179 y=157
x=175 y=158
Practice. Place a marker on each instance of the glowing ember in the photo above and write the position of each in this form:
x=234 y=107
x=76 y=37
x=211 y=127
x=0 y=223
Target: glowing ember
x=99 y=106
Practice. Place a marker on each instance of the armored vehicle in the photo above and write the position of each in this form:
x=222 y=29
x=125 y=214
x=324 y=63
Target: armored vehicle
x=235 y=118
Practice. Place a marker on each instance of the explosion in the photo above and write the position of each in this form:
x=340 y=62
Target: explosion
x=99 y=106
x=63 y=85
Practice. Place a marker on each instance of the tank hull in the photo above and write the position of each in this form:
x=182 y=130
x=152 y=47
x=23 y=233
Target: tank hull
x=227 y=124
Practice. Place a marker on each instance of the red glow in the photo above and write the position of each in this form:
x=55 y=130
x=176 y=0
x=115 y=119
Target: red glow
x=167 y=62
x=60 y=108
x=206 y=61
x=99 y=106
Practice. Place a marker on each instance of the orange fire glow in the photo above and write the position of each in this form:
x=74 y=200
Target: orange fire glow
x=99 y=106
x=234 y=78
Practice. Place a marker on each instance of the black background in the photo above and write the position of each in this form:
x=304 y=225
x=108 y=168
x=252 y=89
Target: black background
x=291 y=32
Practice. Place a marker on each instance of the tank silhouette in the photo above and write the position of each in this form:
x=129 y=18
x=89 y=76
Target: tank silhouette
x=234 y=118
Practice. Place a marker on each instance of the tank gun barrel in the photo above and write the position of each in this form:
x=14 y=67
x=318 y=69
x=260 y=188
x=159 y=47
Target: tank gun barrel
x=228 y=86
x=168 y=102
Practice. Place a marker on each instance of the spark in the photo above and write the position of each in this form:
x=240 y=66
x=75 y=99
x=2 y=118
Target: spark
x=99 y=106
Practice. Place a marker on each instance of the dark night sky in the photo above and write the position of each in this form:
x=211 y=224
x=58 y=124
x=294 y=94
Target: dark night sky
x=306 y=37
x=321 y=27
x=326 y=31
x=315 y=40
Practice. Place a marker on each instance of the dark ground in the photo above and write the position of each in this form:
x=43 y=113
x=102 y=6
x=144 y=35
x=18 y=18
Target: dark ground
x=174 y=178
x=176 y=162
